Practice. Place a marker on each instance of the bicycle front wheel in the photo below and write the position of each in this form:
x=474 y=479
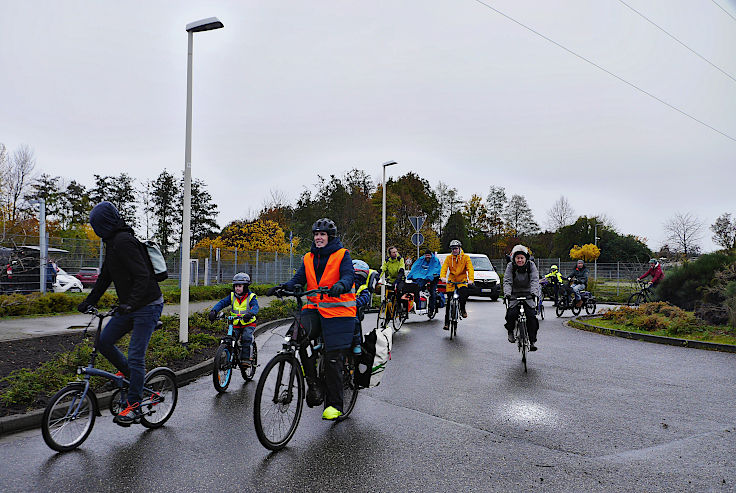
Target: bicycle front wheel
x=222 y=370
x=349 y=387
x=636 y=299
x=279 y=400
x=523 y=342
x=399 y=317
x=576 y=309
x=68 y=418
x=381 y=318
x=160 y=394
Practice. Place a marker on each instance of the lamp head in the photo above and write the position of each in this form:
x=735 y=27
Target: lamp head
x=207 y=24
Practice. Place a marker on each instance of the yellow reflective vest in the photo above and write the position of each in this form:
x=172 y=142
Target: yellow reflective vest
x=238 y=309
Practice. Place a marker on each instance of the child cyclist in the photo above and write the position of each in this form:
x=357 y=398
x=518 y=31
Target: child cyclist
x=244 y=306
x=365 y=283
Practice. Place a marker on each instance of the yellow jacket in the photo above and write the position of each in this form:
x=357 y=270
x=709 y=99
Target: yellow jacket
x=460 y=270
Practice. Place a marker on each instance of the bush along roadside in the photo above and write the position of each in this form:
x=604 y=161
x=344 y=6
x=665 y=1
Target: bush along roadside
x=42 y=304
x=666 y=320
x=28 y=388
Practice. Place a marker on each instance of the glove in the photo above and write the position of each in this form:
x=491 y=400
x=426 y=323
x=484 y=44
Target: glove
x=273 y=290
x=212 y=315
x=123 y=309
x=337 y=289
x=84 y=306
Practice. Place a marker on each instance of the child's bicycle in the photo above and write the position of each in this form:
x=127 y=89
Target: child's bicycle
x=281 y=390
x=227 y=358
x=71 y=412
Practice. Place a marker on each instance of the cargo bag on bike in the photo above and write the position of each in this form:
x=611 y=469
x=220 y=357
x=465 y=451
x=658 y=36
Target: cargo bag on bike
x=376 y=353
x=440 y=300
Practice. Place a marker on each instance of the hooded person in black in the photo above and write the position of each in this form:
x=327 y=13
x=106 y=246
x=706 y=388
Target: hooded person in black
x=126 y=265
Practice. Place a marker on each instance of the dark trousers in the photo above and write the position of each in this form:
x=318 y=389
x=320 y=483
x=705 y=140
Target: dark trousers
x=245 y=334
x=463 y=292
x=333 y=364
x=141 y=324
x=532 y=324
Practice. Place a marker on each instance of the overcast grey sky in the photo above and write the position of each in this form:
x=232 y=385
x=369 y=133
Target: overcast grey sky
x=451 y=89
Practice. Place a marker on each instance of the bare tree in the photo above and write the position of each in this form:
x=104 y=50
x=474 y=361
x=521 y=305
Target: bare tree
x=20 y=174
x=519 y=217
x=724 y=230
x=4 y=170
x=685 y=231
x=560 y=215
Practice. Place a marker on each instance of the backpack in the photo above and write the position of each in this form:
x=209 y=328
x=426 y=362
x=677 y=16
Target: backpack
x=157 y=260
x=376 y=353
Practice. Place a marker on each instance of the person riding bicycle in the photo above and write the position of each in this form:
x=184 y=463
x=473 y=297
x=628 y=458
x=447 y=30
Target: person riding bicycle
x=331 y=316
x=579 y=278
x=555 y=278
x=128 y=266
x=457 y=268
x=521 y=279
x=393 y=272
x=365 y=283
x=655 y=270
x=244 y=306
x=425 y=271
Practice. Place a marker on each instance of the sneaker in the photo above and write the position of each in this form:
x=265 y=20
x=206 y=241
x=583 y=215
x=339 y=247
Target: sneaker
x=318 y=346
x=578 y=303
x=463 y=314
x=331 y=414
x=446 y=327
x=357 y=350
x=511 y=336
x=532 y=347
x=131 y=414
x=314 y=395
x=245 y=364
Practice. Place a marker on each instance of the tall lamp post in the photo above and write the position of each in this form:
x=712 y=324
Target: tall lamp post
x=383 y=223
x=194 y=27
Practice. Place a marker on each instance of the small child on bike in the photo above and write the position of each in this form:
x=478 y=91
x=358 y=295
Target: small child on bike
x=365 y=283
x=244 y=307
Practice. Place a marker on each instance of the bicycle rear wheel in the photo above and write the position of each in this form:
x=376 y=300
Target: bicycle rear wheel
x=222 y=369
x=279 y=400
x=560 y=309
x=576 y=309
x=349 y=387
x=164 y=393
x=590 y=307
x=68 y=418
x=249 y=372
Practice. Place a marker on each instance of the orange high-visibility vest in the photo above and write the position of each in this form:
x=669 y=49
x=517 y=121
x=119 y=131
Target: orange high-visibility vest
x=329 y=306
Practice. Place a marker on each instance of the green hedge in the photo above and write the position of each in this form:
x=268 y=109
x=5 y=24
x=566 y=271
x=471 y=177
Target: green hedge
x=683 y=286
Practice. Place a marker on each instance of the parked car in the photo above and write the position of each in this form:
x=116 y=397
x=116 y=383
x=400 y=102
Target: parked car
x=88 y=275
x=487 y=283
x=19 y=268
x=67 y=283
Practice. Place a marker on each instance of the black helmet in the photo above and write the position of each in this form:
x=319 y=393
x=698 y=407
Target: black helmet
x=326 y=225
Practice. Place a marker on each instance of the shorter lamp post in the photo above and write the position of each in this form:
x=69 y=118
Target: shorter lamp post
x=41 y=241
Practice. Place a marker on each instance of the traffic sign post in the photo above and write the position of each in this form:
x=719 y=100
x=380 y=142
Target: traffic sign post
x=417 y=238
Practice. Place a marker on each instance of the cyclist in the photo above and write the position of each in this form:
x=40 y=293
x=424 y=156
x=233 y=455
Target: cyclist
x=521 y=279
x=655 y=270
x=331 y=316
x=243 y=305
x=555 y=278
x=457 y=268
x=392 y=271
x=365 y=283
x=128 y=266
x=425 y=270
x=580 y=279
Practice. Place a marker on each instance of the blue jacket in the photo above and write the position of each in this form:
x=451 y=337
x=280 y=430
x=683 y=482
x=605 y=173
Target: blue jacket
x=421 y=269
x=252 y=306
x=337 y=331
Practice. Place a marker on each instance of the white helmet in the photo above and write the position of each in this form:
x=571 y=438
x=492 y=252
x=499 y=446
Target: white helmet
x=519 y=249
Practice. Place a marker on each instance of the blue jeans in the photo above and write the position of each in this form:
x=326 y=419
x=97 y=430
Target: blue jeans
x=141 y=324
x=576 y=289
x=245 y=334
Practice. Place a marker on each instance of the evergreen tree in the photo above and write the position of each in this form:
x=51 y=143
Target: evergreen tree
x=48 y=187
x=120 y=190
x=203 y=212
x=455 y=229
x=165 y=210
x=519 y=217
x=77 y=203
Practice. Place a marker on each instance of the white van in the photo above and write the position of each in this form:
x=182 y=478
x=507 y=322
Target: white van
x=487 y=283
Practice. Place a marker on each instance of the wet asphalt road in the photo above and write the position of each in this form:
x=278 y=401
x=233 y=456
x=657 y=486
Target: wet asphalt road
x=594 y=413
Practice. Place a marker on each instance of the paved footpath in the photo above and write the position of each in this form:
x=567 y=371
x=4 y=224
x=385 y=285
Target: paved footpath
x=12 y=329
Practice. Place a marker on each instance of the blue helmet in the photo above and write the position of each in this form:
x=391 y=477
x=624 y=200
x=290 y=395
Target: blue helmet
x=360 y=265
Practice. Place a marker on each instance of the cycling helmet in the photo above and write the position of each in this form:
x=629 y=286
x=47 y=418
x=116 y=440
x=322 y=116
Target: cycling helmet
x=519 y=249
x=455 y=243
x=359 y=265
x=326 y=225
x=554 y=267
x=652 y=260
x=241 y=278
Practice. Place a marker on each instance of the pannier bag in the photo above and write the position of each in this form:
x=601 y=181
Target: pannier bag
x=376 y=354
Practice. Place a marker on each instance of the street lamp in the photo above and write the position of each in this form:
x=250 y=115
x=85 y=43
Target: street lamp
x=193 y=27
x=41 y=240
x=383 y=224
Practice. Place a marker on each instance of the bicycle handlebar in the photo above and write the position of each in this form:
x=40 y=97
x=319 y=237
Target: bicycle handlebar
x=322 y=290
x=94 y=311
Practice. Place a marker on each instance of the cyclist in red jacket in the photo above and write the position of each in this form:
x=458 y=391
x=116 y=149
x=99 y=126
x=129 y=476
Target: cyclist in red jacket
x=655 y=270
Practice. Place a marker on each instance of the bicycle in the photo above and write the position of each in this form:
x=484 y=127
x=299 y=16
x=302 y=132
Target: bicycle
x=454 y=308
x=227 y=357
x=70 y=414
x=520 y=332
x=280 y=394
x=388 y=312
x=566 y=301
x=539 y=311
x=644 y=295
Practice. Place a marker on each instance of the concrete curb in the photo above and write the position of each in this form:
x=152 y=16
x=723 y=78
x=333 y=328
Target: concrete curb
x=32 y=419
x=578 y=323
